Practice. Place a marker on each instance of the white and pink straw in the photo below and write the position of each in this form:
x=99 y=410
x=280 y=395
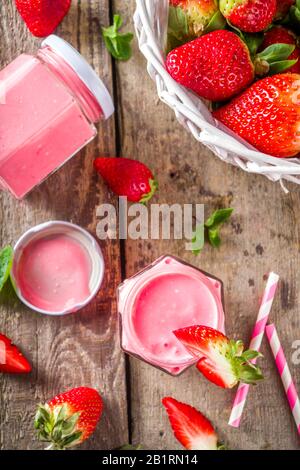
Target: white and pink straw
x=284 y=373
x=255 y=344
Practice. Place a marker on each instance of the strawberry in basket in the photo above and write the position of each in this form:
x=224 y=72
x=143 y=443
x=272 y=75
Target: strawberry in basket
x=218 y=65
x=267 y=115
x=250 y=16
x=283 y=7
x=190 y=18
x=282 y=35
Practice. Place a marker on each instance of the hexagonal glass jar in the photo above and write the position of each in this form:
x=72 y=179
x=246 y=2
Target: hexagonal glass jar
x=167 y=295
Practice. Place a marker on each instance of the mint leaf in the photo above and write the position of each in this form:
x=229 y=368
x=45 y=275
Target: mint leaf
x=218 y=217
x=118 y=44
x=6 y=260
x=214 y=223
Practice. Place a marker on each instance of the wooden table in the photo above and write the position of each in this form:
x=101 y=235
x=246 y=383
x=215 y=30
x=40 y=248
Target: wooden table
x=83 y=349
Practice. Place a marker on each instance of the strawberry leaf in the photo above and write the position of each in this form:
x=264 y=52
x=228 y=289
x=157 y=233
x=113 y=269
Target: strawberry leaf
x=281 y=66
x=178 y=29
x=217 y=22
x=119 y=45
x=276 y=52
x=6 y=261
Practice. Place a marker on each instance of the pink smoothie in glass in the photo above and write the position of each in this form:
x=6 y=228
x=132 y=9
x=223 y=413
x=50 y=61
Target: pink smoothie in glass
x=168 y=295
x=54 y=273
x=49 y=104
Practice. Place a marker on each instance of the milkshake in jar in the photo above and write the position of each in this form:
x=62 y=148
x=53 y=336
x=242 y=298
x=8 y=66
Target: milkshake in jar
x=49 y=105
x=167 y=295
x=57 y=269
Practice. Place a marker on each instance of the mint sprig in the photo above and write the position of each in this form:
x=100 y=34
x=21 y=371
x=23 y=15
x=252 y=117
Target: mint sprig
x=6 y=261
x=118 y=44
x=211 y=229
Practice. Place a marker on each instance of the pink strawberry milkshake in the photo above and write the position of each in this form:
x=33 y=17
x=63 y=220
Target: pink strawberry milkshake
x=49 y=104
x=166 y=296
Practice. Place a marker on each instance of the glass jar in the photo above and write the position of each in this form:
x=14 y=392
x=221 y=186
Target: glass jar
x=49 y=105
x=167 y=295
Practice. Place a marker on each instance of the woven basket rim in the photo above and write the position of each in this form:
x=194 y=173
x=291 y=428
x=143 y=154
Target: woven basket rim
x=186 y=105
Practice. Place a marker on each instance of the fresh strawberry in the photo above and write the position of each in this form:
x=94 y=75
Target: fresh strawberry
x=127 y=177
x=69 y=418
x=222 y=361
x=267 y=115
x=12 y=360
x=281 y=35
x=282 y=8
x=42 y=16
x=250 y=16
x=197 y=14
x=216 y=66
x=190 y=427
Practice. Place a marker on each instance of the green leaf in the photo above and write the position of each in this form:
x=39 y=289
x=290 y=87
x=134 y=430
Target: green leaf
x=67 y=441
x=250 y=374
x=69 y=424
x=214 y=237
x=218 y=217
x=249 y=355
x=279 y=67
x=178 y=30
x=217 y=22
x=276 y=52
x=6 y=261
x=253 y=41
x=118 y=44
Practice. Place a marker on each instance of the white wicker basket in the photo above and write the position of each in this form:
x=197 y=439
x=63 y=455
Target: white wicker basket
x=151 y=25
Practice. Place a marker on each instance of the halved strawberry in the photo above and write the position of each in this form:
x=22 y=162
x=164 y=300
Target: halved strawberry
x=193 y=430
x=12 y=360
x=222 y=361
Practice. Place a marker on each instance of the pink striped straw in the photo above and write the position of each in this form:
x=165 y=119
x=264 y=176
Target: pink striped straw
x=284 y=373
x=255 y=344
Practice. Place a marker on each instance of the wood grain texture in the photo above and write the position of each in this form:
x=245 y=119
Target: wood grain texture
x=262 y=236
x=79 y=349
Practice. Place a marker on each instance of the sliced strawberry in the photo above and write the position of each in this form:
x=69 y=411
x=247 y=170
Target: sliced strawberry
x=222 y=361
x=12 y=360
x=190 y=427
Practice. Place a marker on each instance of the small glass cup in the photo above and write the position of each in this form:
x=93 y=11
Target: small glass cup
x=164 y=297
x=88 y=247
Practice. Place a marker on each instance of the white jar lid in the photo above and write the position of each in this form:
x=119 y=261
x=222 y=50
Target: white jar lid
x=83 y=70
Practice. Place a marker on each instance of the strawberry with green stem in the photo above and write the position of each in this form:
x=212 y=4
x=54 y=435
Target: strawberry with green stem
x=221 y=360
x=280 y=34
x=250 y=16
x=218 y=65
x=267 y=115
x=127 y=177
x=69 y=418
x=191 y=428
x=189 y=19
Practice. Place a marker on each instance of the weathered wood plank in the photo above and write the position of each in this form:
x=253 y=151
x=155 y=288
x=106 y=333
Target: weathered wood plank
x=263 y=236
x=80 y=349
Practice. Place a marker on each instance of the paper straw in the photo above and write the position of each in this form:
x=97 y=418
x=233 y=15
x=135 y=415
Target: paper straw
x=284 y=373
x=255 y=344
